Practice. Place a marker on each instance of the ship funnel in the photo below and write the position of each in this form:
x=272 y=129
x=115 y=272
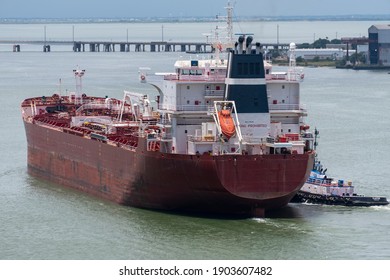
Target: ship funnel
x=249 y=40
x=241 y=40
x=245 y=84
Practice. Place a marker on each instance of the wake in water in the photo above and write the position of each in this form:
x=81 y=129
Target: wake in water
x=381 y=208
x=259 y=220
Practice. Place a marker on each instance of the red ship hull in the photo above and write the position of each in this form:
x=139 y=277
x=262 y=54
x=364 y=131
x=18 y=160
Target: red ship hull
x=232 y=184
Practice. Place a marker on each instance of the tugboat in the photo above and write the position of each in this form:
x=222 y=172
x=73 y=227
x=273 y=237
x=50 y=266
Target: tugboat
x=321 y=189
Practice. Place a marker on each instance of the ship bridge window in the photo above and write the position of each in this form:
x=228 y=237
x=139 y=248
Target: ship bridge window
x=195 y=72
x=185 y=71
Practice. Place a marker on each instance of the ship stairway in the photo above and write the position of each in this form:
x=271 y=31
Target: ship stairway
x=153 y=145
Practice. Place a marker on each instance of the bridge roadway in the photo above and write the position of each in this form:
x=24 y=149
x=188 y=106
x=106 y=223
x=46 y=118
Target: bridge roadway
x=106 y=46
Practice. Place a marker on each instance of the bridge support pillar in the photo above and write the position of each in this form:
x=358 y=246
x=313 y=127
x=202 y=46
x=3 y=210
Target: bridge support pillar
x=76 y=47
x=46 y=48
x=16 y=48
x=107 y=47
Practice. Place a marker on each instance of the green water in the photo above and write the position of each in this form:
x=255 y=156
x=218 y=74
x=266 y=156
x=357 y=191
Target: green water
x=40 y=220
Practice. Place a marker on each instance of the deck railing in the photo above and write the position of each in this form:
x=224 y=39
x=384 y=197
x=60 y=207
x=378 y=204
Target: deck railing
x=191 y=108
x=287 y=107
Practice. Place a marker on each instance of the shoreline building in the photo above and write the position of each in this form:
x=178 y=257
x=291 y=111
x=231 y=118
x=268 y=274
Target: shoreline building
x=379 y=45
x=322 y=54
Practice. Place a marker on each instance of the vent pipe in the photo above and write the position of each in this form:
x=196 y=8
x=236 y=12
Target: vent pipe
x=249 y=40
x=258 y=48
x=241 y=40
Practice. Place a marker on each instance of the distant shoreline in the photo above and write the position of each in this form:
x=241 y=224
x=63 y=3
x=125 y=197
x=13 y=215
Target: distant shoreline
x=194 y=19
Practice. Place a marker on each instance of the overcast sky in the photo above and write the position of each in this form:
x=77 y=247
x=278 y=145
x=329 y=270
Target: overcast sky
x=183 y=8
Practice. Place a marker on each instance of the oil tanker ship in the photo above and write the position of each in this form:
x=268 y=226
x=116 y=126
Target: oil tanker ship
x=210 y=146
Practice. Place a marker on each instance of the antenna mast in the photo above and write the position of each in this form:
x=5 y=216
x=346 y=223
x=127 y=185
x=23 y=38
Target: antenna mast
x=292 y=62
x=229 y=22
x=229 y=41
x=78 y=74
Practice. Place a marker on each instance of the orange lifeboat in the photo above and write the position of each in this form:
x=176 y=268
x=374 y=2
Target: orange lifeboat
x=227 y=124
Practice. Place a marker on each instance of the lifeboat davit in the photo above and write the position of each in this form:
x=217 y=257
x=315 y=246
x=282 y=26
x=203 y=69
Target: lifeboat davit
x=227 y=124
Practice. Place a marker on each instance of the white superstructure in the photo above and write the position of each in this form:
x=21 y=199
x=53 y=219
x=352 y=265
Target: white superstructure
x=186 y=104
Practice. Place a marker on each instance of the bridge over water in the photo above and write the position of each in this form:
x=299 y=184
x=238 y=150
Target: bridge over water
x=113 y=46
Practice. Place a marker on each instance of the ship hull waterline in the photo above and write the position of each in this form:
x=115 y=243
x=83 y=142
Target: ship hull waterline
x=204 y=184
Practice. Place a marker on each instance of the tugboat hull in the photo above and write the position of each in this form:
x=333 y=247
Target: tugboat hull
x=356 y=200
